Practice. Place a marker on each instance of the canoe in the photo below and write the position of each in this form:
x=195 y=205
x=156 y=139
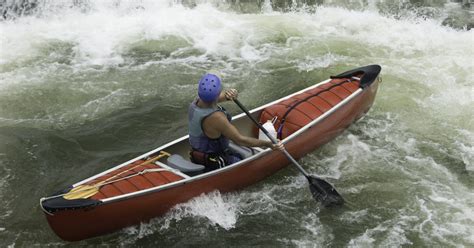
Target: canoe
x=149 y=185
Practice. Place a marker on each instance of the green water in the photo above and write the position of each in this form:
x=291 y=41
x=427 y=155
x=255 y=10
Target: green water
x=85 y=86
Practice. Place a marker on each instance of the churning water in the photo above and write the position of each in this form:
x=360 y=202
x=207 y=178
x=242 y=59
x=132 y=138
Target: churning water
x=85 y=85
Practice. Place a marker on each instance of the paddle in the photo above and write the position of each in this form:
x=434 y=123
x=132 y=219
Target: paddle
x=321 y=190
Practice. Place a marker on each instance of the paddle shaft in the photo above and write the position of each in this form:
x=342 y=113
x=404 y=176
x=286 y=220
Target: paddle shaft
x=274 y=141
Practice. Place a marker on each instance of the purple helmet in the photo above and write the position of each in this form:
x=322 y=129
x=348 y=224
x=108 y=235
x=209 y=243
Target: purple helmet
x=209 y=87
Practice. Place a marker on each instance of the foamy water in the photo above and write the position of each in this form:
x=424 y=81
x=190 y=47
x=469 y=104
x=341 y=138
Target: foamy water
x=84 y=88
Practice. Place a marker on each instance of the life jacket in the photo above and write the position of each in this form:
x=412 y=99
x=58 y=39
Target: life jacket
x=197 y=139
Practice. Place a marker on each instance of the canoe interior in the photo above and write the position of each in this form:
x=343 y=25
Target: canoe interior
x=116 y=183
x=313 y=103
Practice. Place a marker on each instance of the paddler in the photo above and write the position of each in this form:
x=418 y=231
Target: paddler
x=210 y=128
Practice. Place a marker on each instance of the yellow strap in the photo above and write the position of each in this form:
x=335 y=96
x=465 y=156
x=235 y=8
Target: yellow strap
x=161 y=155
x=86 y=191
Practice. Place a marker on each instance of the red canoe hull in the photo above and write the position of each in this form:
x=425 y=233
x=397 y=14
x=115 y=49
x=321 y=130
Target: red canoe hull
x=78 y=224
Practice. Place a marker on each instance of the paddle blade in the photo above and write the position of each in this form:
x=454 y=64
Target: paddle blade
x=324 y=192
x=81 y=192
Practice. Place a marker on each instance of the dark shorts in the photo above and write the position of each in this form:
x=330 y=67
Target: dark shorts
x=214 y=161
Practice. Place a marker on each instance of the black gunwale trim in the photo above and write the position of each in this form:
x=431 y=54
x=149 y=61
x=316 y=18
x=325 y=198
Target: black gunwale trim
x=57 y=203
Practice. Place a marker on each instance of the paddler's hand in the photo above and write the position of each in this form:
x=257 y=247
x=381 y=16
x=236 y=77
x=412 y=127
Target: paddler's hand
x=231 y=94
x=277 y=147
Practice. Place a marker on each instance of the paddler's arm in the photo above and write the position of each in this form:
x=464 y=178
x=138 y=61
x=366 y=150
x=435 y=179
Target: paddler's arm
x=227 y=95
x=218 y=124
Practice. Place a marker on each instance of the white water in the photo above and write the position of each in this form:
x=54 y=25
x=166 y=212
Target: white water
x=437 y=58
x=407 y=166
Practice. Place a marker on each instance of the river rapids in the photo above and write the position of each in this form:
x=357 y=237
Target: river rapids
x=86 y=85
